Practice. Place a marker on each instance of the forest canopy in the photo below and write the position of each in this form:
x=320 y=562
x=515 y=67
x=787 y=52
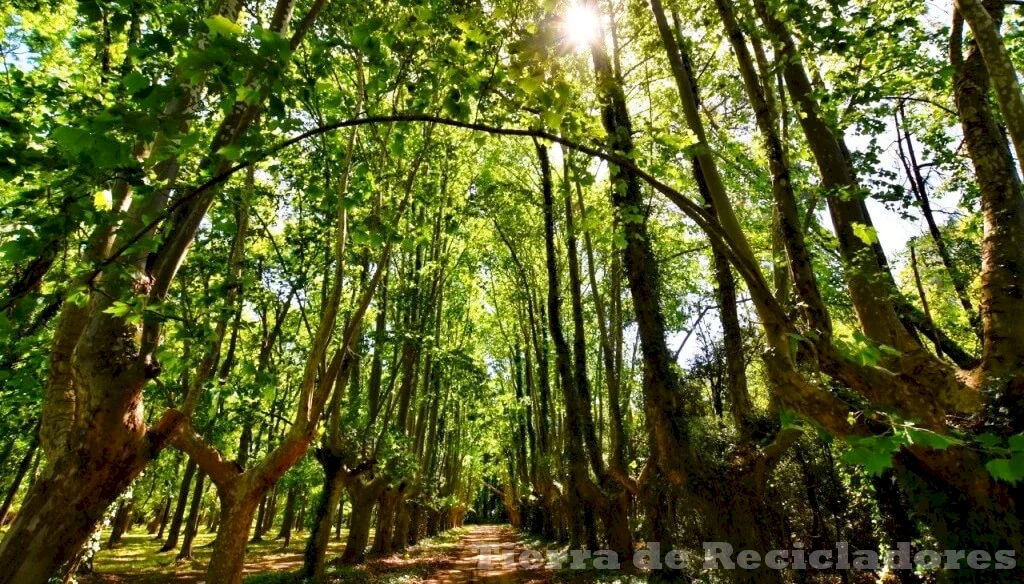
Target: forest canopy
x=612 y=272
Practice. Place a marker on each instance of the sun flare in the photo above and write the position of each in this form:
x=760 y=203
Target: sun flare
x=580 y=25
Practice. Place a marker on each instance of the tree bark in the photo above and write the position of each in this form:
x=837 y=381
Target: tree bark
x=288 y=520
x=118 y=526
x=165 y=514
x=179 y=507
x=192 y=525
x=985 y=18
x=364 y=495
x=315 y=558
x=19 y=476
x=228 y=556
x=1002 y=206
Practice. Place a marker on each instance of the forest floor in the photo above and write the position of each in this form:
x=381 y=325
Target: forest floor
x=452 y=557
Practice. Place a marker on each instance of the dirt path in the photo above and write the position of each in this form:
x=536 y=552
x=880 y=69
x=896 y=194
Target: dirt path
x=481 y=556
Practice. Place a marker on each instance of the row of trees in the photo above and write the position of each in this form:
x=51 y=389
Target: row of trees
x=926 y=402
x=382 y=295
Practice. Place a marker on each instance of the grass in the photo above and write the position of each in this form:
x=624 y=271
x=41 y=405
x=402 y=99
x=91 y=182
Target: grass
x=138 y=561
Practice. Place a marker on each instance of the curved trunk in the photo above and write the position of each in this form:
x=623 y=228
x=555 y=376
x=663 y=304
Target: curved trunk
x=45 y=536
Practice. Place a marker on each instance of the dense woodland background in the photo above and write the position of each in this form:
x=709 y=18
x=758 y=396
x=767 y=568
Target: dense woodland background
x=614 y=272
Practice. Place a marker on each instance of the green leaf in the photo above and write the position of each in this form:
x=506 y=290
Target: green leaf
x=134 y=82
x=102 y=200
x=231 y=152
x=220 y=25
x=874 y=453
x=531 y=84
x=553 y=118
x=988 y=440
x=1010 y=470
x=361 y=37
x=119 y=309
x=1017 y=443
x=930 y=439
x=873 y=461
x=865 y=233
x=72 y=140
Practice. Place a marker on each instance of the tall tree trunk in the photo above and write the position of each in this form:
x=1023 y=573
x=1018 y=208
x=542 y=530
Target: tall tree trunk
x=868 y=278
x=257 y=535
x=164 y=517
x=725 y=292
x=1002 y=206
x=575 y=457
x=383 y=537
x=985 y=19
x=119 y=525
x=268 y=518
x=288 y=521
x=179 y=507
x=192 y=525
x=315 y=558
x=19 y=476
x=614 y=501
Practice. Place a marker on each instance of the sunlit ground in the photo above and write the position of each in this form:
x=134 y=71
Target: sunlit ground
x=137 y=559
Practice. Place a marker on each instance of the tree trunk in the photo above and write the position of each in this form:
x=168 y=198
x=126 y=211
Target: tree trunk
x=119 y=525
x=574 y=453
x=192 y=525
x=288 y=521
x=402 y=522
x=257 y=535
x=19 y=476
x=1002 y=250
x=918 y=186
x=786 y=209
x=164 y=516
x=339 y=517
x=179 y=508
x=315 y=558
x=985 y=19
x=45 y=535
x=415 y=522
x=383 y=538
x=271 y=514
x=236 y=516
x=897 y=523
x=363 y=496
